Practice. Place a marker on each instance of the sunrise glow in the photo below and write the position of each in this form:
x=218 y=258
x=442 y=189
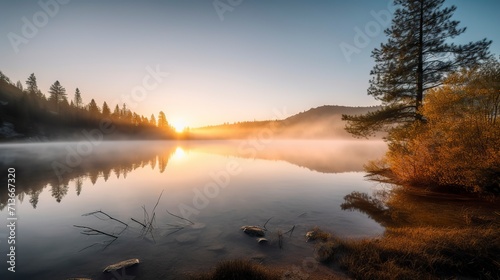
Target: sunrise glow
x=179 y=126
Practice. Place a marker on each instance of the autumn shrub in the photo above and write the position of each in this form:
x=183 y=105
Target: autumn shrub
x=457 y=146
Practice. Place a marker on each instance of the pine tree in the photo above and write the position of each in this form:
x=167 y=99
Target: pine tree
x=106 y=112
x=19 y=85
x=136 y=119
x=32 y=87
x=152 y=120
x=116 y=113
x=162 y=120
x=93 y=109
x=416 y=58
x=57 y=95
x=78 y=98
x=4 y=78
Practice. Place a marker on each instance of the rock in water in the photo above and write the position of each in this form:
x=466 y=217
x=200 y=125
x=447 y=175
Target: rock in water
x=262 y=240
x=120 y=265
x=310 y=236
x=253 y=230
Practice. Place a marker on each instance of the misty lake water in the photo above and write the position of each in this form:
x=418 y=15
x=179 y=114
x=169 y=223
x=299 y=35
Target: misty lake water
x=219 y=185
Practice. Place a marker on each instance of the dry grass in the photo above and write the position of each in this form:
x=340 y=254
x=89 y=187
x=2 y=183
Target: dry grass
x=423 y=253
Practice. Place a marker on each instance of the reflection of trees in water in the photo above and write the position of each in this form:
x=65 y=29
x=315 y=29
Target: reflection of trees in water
x=78 y=184
x=162 y=163
x=414 y=207
x=35 y=173
x=33 y=197
x=58 y=191
x=376 y=207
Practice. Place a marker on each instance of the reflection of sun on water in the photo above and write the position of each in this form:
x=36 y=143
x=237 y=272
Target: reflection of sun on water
x=179 y=153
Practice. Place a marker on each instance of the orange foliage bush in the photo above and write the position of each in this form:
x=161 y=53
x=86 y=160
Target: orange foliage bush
x=458 y=145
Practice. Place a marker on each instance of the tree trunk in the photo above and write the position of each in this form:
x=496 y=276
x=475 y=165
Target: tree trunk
x=420 y=70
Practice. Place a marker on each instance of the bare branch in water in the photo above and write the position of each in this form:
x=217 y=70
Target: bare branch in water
x=176 y=230
x=290 y=231
x=93 y=231
x=280 y=239
x=146 y=215
x=158 y=201
x=180 y=218
x=143 y=225
x=101 y=212
x=267 y=222
x=103 y=243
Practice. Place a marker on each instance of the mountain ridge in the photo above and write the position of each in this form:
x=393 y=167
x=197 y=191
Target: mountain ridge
x=321 y=122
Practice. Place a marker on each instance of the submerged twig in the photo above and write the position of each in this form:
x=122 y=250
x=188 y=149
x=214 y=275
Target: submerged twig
x=146 y=214
x=280 y=239
x=158 y=201
x=105 y=214
x=290 y=231
x=93 y=231
x=175 y=226
x=175 y=231
x=182 y=218
x=143 y=225
x=267 y=222
x=106 y=245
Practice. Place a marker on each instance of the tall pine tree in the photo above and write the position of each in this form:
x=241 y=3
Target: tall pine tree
x=106 y=112
x=78 y=101
x=416 y=58
x=32 y=88
x=162 y=120
x=57 y=95
x=93 y=109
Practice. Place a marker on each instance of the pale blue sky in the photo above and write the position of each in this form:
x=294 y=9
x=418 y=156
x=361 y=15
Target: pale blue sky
x=263 y=55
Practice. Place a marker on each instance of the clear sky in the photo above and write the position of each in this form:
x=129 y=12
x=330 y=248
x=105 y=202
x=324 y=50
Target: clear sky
x=239 y=61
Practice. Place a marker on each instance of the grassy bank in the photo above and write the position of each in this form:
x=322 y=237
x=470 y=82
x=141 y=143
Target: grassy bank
x=421 y=253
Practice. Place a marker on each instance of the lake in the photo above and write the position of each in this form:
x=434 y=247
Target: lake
x=219 y=186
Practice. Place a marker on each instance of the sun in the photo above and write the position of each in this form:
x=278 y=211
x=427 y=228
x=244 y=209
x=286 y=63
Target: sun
x=179 y=126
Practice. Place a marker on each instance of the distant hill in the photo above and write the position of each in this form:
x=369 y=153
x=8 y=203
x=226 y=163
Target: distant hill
x=323 y=122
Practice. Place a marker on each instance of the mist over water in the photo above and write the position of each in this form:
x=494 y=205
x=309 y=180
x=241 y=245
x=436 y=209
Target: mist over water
x=219 y=185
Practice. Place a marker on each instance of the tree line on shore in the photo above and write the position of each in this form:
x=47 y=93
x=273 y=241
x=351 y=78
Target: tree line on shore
x=58 y=116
